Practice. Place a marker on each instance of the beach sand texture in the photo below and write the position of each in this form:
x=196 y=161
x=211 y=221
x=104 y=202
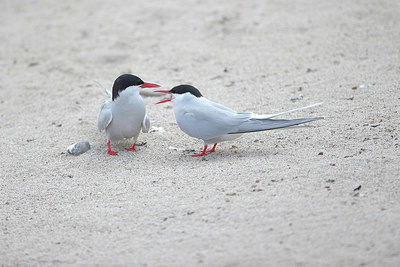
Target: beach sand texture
x=324 y=194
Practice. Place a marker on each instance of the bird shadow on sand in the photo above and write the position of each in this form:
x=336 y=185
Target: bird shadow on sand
x=224 y=154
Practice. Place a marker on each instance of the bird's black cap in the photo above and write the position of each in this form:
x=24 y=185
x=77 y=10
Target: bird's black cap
x=184 y=88
x=123 y=82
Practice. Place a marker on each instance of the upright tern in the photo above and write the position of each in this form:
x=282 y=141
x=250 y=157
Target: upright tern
x=123 y=114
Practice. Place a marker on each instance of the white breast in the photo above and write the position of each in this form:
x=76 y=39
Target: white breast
x=128 y=112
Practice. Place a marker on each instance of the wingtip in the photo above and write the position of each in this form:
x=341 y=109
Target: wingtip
x=108 y=93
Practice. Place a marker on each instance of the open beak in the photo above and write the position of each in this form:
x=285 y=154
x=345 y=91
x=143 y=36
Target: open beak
x=163 y=101
x=165 y=92
x=149 y=85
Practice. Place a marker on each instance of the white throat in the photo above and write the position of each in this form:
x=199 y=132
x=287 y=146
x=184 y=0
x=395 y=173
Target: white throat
x=128 y=95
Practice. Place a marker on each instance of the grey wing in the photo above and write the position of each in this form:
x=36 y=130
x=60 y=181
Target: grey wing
x=145 y=124
x=105 y=116
x=255 y=125
x=210 y=120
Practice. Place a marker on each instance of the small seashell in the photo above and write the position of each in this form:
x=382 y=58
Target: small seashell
x=154 y=129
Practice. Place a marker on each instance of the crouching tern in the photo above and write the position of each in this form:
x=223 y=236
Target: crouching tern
x=123 y=114
x=213 y=123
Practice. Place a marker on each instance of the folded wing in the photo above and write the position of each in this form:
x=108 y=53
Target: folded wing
x=105 y=115
x=255 y=125
x=145 y=124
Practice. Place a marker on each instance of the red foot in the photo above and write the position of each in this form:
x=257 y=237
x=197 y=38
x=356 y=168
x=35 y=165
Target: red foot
x=212 y=149
x=110 y=152
x=132 y=148
x=202 y=153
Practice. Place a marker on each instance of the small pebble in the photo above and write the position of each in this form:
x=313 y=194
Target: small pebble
x=141 y=144
x=357 y=188
x=32 y=64
x=78 y=148
x=256 y=190
x=298 y=98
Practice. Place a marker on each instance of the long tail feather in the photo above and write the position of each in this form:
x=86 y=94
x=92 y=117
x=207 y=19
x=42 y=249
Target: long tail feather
x=269 y=116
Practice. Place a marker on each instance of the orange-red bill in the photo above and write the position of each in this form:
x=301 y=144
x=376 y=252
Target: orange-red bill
x=149 y=85
x=163 y=101
x=165 y=92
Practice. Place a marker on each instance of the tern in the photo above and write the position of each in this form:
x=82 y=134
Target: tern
x=123 y=114
x=213 y=123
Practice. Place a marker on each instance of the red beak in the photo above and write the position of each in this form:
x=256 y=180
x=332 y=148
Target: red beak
x=163 y=101
x=165 y=92
x=149 y=85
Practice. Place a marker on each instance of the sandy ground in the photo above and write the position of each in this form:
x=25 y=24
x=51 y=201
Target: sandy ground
x=276 y=198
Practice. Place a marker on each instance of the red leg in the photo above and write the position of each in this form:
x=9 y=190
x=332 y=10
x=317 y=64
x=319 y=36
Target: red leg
x=132 y=148
x=202 y=153
x=212 y=149
x=110 y=152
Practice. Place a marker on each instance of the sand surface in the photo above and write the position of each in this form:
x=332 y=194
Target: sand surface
x=277 y=198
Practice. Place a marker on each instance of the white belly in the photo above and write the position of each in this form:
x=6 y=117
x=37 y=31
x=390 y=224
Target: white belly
x=126 y=123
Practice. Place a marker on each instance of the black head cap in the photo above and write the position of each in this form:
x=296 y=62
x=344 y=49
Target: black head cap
x=184 y=88
x=123 y=82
